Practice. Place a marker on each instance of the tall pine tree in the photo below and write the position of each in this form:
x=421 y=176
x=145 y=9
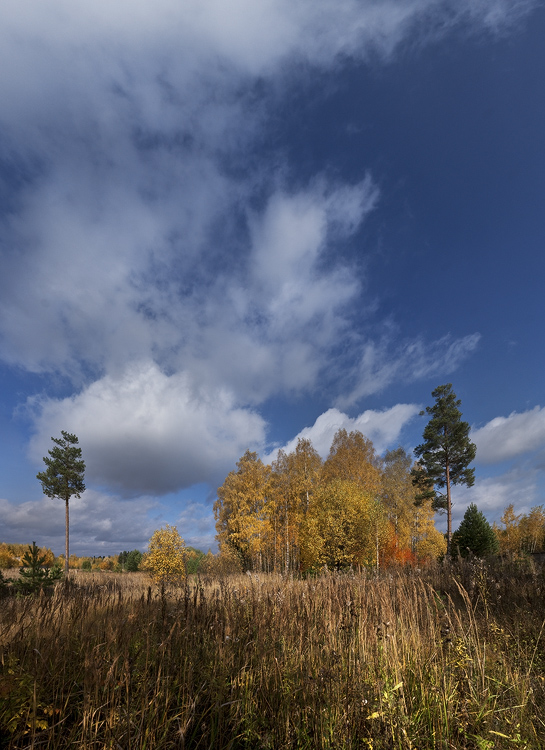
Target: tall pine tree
x=445 y=454
x=63 y=476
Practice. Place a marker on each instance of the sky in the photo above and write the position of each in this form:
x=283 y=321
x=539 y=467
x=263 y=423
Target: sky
x=224 y=226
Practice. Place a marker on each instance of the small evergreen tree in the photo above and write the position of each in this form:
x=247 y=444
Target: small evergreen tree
x=34 y=574
x=134 y=558
x=475 y=535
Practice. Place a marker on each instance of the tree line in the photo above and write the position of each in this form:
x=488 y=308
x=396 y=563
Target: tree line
x=302 y=513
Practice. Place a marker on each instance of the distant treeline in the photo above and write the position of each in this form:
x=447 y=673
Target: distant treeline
x=11 y=556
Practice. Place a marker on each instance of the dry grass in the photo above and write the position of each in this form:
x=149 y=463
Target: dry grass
x=445 y=658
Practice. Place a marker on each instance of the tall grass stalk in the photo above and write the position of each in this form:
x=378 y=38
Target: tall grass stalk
x=450 y=657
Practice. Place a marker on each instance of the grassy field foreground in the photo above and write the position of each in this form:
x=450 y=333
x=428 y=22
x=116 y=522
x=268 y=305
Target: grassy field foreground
x=450 y=657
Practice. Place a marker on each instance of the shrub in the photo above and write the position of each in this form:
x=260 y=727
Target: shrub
x=165 y=559
x=33 y=574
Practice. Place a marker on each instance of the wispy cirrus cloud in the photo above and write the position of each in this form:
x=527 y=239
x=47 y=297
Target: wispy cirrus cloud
x=386 y=361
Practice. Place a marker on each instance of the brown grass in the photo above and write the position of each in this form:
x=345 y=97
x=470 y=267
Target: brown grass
x=450 y=657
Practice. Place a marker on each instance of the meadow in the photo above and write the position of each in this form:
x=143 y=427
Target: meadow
x=452 y=656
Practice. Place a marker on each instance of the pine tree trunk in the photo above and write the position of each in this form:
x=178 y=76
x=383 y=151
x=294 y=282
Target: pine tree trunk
x=67 y=552
x=449 y=513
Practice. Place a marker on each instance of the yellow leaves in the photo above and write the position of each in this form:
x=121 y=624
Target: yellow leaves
x=165 y=559
x=345 y=524
x=300 y=514
x=241 y=510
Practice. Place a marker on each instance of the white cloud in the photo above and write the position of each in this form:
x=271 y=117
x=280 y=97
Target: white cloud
x=383 y=428
x=144 y=432
x=130 y=250
x=198 y=522
x=384 y=362
x=492 y=495
x=504 y=438
x=99 y=523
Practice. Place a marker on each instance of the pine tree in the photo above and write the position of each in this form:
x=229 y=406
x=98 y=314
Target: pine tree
x=475 y=535
x=34 y=574
x=445 y=454
x=63 y=476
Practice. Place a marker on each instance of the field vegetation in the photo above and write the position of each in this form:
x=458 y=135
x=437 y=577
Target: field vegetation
x=450 y=656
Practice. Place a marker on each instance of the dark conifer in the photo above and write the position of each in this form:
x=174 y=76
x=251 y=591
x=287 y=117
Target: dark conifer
x=445 y=454
x=63 y=476
x=475 y=535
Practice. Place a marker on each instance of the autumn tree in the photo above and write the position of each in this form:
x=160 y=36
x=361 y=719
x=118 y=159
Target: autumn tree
x=352 y=457
x=522 y=532
x=510 y=538
x=398 y=496
x=445 y=454
x=243 y=511
x=165 y=558
x=533 y=529
x=294 y=479
x=344 y=526
x=63 y=477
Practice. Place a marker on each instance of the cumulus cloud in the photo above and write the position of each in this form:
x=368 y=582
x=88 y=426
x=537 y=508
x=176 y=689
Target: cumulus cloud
x=492 y=495
x=505 y=438
x=146 y=257
x=99 y=523
x=383 y=428
x=145 y=432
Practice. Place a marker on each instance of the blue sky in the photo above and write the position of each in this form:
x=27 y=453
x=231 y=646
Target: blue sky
x=226 y=225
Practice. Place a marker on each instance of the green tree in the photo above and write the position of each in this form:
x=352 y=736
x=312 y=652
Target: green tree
x=475 y=535
x=130 y=561
x=34 y=574
x=445 y=454
x=63 y=476
x=134 y=558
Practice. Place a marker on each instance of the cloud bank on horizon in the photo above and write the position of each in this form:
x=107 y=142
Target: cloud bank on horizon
x=168 y=266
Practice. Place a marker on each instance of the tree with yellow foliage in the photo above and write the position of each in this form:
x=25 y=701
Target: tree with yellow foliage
x=412 y=519
x=533 y=529
x=344 y=526
x=243 y=511
x=294 y=479
x=165 y=558
x=352 y=457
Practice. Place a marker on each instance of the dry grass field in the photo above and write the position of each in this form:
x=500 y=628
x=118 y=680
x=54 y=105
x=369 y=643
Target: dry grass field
x=447 y=657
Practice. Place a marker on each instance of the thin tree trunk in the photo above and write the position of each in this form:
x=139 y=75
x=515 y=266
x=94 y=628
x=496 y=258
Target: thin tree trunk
x=449 y=513
x=287 y=544
x=67 y=552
